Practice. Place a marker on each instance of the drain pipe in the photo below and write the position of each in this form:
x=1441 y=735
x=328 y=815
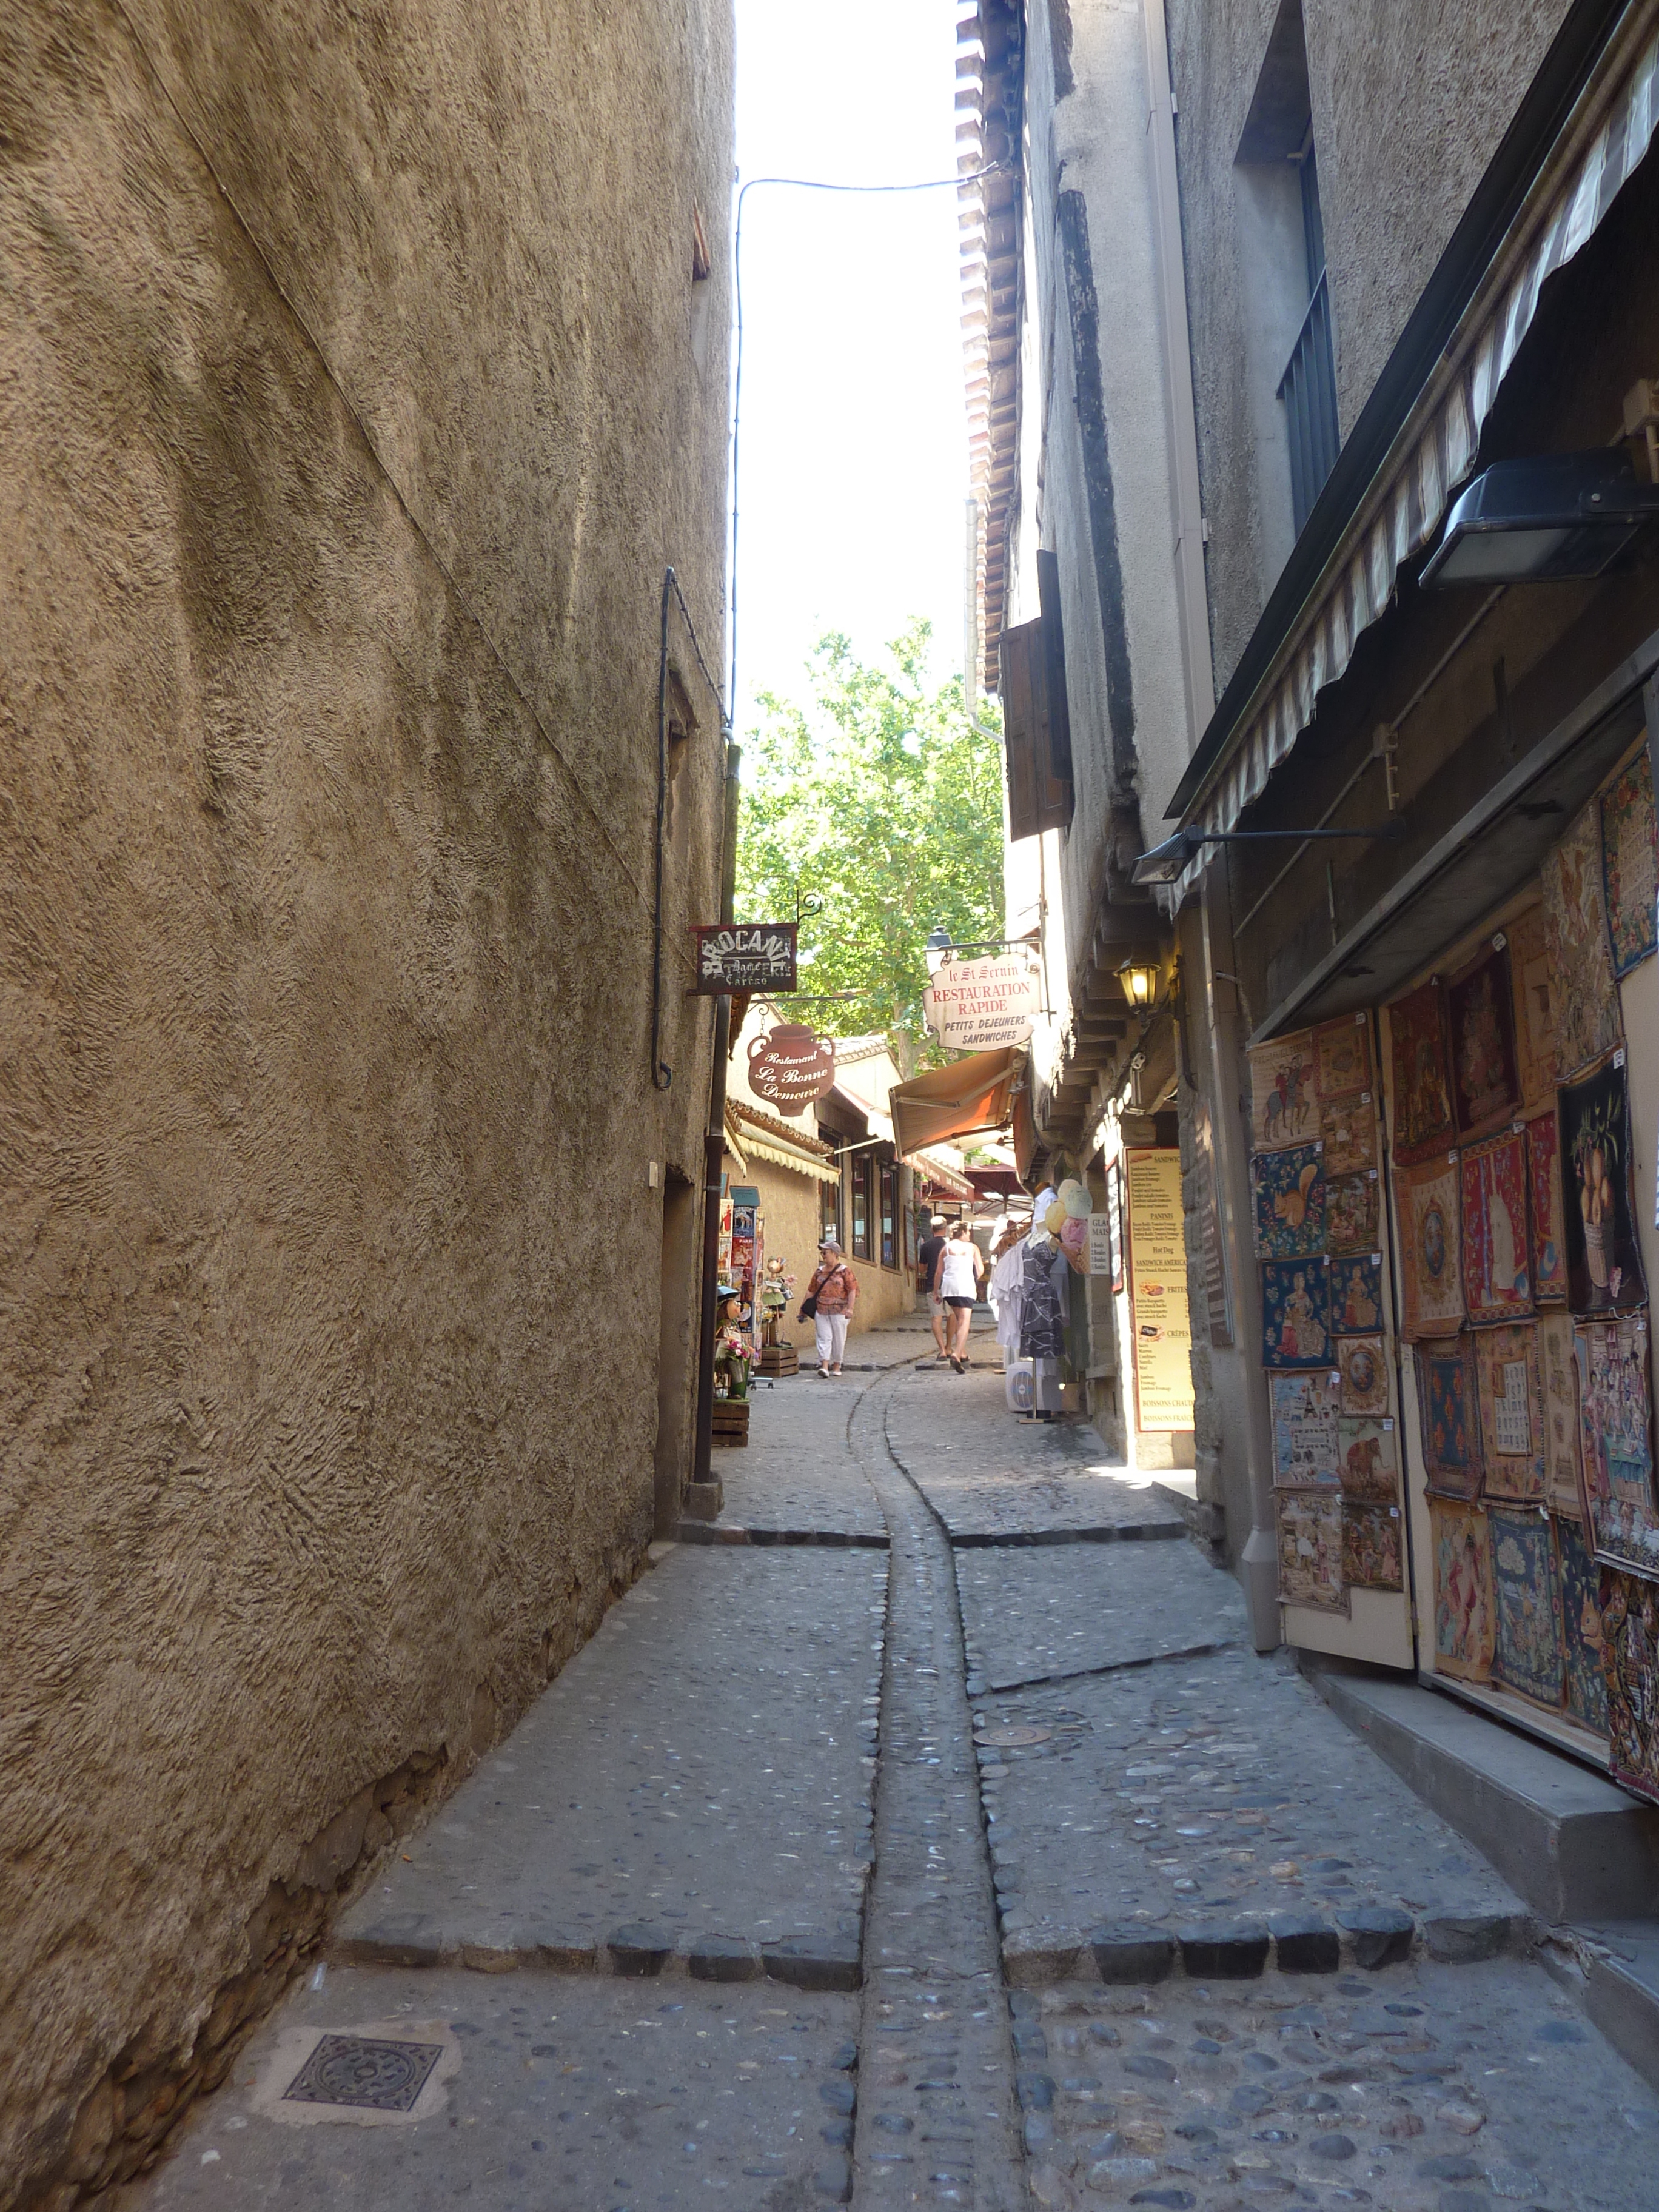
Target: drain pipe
x=714 y=1143
x=970 y=630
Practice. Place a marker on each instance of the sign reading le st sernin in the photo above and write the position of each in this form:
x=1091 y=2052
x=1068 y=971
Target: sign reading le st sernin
x=745 y=956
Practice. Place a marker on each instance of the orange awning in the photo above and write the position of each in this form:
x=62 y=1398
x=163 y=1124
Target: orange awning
x=969 y=1098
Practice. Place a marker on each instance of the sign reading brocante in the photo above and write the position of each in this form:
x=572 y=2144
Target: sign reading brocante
x=745 y=956
x=974 y=1005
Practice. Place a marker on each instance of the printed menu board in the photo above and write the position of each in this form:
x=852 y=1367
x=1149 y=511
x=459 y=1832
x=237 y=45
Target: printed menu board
x=1159 y=1319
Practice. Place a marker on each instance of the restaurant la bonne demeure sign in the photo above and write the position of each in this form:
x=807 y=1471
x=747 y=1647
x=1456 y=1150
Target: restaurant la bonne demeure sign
x=743 y=955
x=974 y=1005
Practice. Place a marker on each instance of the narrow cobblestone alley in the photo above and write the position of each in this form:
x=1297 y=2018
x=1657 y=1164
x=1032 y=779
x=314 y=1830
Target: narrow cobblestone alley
x=926 y=1831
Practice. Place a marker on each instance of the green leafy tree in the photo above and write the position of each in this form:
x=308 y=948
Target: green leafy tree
x=880 y=801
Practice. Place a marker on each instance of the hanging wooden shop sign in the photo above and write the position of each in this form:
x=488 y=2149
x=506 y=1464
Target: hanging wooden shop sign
x=790 y=1066
x=974 y=1005
x=745 y=956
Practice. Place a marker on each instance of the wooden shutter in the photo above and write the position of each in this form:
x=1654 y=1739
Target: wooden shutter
x=1038 y=798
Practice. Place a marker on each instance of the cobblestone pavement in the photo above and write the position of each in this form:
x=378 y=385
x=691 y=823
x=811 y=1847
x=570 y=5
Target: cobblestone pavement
x=703 y=1767
x=567 y=2093
x=796 y=1479
x=1419 y=2088
x=1199 y=1794
x=1227 y=1963
x=1032 y=1616
x=991 y=1480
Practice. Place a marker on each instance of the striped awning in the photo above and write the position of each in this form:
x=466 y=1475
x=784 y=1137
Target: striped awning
x=785 y=1156
x=1435 y=451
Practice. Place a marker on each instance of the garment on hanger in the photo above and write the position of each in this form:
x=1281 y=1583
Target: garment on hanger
x=1007 y=1293
x=1045 y=1297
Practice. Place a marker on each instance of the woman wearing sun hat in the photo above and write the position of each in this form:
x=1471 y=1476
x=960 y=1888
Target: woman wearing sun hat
x=833 y=1292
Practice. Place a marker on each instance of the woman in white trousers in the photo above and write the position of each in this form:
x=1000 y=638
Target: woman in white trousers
x=835 y=1288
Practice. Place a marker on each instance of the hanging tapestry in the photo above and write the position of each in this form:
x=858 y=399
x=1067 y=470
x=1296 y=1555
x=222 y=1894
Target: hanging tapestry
x=1370 y=1546
x=1357 y=1294
x=1581 y=1621
x=1534 y=1006
x=1290 y=1202
x=1353 y=1212
x=1614 y=1435
x=1283 y=1110
x=1527 y=1597
x=1560 y=1387
x=1463 y=1626
x=1549 y=1243
x=1480 y=1011
x=1342 y=1057
x=1295 y=1312
x=1628 y=872
x=1422 y=1088
x=1368 y=1465
x=1349 y=1129
x=1586 y=996
x=1305 y=1437
x=1629 y=1638
x=1430 y=1273
x=1604 y=1261
x=1511 y=1411
x=1311 y=1550
x=1449 y=1399
x=1364 y=1368
x=1492 y=1223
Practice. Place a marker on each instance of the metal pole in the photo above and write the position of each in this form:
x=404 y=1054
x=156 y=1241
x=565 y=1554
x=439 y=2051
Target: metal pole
x=714 y=1145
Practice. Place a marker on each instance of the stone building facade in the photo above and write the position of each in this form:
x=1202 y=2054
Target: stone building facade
x=362 y=372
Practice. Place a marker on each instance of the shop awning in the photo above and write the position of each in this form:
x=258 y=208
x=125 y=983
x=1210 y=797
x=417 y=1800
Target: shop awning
x=1311 y=639
x=764 y=1139
x=937 y=1177
x=969 y=1098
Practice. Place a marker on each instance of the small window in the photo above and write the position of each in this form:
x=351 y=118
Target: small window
x=889 y=1256
x=861 y=1207
x=829 y=1205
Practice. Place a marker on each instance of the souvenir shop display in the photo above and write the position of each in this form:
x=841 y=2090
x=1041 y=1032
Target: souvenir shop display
x=1534 y=1007
x=1284 y=1108
x=1493 y=1228
x=1289 y=1189
x=1511 y=1411
x=1423 y=1119
x=1586 y=992
x=1585 y=1677
x=1628 y=875
x=1368 y=1461
x=1629 y=1638
x=1306 y=1412
x=1342 y=1058
x=1604 y=1261
x=1481 y=1018
x=1464 y=1627
x=1429 y=1206
x=1615 y=1418
x=1559 y=1383
x=1353 y=1211
x=1362 y=1365
x=1371 y=1547
x=1356 y=1294
x=1529 y=1654
x=1311 y=1550
x=1347 y=1128
x=1448 y=1396
x=1296 y=1330
x=1549 y=1241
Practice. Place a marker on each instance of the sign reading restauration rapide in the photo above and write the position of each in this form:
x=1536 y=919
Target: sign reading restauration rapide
x=976 y=1005
x=790 y=1066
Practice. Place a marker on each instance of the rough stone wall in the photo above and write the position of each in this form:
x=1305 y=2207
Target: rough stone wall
x=354 y=392
x=1409 y=102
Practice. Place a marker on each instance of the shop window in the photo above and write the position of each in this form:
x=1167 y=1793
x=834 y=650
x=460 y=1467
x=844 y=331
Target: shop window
x=890 y=1228
x=830 y=1215
x=862 y=1166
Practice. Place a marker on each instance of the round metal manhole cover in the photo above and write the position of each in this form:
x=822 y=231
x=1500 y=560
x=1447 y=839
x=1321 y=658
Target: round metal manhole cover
x=1011 y=1739
x=364 y=2071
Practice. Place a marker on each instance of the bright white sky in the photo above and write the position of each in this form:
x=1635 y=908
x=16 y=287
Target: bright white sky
x=853 y=460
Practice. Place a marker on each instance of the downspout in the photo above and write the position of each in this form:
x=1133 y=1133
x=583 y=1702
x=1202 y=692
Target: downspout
x=970 y=630
x=715 y=1143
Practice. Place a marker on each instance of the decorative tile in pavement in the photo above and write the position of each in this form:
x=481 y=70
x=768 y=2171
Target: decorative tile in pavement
x=1192 y=1795
x=1417 y=2088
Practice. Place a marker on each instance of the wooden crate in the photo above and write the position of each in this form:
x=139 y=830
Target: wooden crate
x=777 y=1359
x=731 y=1422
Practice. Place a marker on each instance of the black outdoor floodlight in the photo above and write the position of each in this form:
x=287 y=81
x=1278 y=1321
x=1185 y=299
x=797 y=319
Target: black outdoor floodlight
x=1168 y=862
x=1550 y=519
x=937 y=949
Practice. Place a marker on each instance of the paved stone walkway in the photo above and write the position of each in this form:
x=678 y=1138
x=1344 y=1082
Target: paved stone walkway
x=987 y=1868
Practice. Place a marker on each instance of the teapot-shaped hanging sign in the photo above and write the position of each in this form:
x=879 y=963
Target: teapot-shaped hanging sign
x=792 y=1067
